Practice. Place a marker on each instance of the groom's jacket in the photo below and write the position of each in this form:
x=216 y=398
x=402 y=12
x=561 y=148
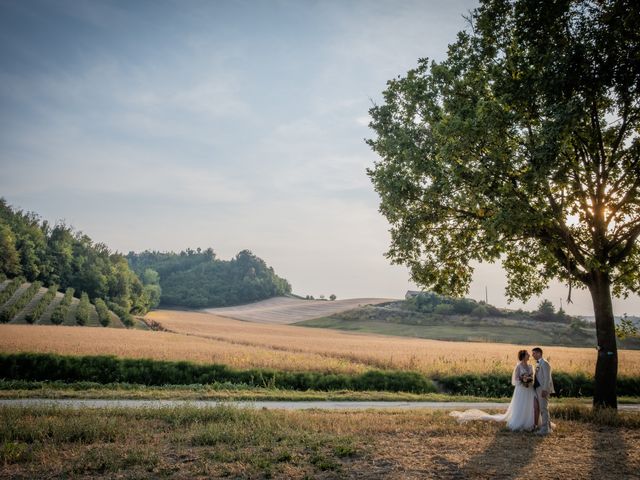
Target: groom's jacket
x=543 y=375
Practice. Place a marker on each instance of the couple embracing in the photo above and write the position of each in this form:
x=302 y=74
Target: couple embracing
x=529 y=407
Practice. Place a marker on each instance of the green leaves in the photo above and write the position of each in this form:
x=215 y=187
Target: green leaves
x=509 y=150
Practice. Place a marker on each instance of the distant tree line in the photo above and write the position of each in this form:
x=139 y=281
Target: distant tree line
x=430 y=302
x=56 y=254
x=197 y=279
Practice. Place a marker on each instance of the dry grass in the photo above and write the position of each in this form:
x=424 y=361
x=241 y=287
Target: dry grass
x=206 y=338
x=224 y=442
x=428 y=356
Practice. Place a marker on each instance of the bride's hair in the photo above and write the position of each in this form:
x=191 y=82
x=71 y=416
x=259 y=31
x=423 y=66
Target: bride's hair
x=522 y=354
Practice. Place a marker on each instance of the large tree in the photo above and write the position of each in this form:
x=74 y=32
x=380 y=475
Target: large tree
x=521 y=147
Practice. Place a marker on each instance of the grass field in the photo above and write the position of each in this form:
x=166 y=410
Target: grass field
x=226 y=442
x=428 y=356
x=516 y=333
x=205 y=338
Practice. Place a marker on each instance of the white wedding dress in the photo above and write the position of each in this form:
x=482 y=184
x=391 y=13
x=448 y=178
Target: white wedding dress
x=519 y=415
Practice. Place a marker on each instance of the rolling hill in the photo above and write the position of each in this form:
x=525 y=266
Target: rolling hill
x=287 y=310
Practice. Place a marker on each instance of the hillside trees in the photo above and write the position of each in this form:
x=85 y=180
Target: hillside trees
x=522 y=146
x=59 y=255
x=196 y=278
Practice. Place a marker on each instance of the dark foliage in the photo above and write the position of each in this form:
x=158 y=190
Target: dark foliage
x=499 y=385
x=196 y=278
x=108 y=369
x=42 y=305
x=59 y=255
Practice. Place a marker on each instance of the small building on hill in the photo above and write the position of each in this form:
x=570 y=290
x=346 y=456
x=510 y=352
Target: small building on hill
x=411 y=294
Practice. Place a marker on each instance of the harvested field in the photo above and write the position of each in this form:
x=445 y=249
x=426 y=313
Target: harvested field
x=428 y=356
x=205 y=338
x=160 y=346
x=229 y=443
x=284 y=310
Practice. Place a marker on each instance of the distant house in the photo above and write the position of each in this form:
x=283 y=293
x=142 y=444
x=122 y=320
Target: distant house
x=411 y=294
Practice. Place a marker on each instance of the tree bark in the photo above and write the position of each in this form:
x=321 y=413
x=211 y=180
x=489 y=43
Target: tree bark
x=605 y=395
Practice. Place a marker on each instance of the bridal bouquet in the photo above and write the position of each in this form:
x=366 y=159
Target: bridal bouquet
x=526 y=380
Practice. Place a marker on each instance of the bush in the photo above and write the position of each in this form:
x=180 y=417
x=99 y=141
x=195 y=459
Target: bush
x=499 y=385
x=103 y=312
x=14 y=309
x=83 y=310
x=480 y=311
x=443 y=309
x=122 y=313
x=42 y=305
x=10 y=289
x=60 y=313
x=109 y=369
x=68 y=296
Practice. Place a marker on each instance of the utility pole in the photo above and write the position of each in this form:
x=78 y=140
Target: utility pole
x=486 y=295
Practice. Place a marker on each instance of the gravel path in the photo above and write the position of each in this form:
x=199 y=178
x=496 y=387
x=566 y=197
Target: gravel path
x=277 y=405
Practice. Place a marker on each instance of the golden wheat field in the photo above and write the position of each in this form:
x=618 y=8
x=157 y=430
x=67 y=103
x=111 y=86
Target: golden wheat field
x=206 y=338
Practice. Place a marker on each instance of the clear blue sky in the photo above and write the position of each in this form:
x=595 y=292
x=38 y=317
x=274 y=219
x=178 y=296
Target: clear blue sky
x=231 y=124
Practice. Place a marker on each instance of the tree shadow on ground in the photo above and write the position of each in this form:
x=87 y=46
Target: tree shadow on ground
x=507 y=455
x=610 y=455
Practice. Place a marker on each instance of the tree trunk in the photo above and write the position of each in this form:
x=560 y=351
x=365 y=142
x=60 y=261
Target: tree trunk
x=607 y=364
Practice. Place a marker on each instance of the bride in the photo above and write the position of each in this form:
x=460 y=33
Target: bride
x=520 y=414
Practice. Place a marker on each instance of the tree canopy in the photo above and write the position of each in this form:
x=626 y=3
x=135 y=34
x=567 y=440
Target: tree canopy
x=522 y=147
x=59 y=255
x=197 y=279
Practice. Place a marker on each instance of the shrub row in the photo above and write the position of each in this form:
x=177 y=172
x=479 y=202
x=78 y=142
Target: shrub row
x=68 y=296
x=122 y=313
x=42 y=305
x=83 y=309
x=109 y=369
x=60 y=313
x=10 y=289
x=11 y=311
x=103 y=312
x=499 y=385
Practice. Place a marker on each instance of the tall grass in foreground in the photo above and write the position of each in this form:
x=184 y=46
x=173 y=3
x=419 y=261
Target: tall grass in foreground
x=187 y=442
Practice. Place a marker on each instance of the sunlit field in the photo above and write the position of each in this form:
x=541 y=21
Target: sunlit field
x=159 y=346
x=205 y=338
x=427 y=356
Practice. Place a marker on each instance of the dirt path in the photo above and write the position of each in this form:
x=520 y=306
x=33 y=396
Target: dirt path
x=269 y=405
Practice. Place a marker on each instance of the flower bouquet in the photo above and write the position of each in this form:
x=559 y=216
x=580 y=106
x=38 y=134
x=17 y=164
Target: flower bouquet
x=526 y=379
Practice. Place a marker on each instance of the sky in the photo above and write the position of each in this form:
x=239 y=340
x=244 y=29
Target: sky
x=235 y=125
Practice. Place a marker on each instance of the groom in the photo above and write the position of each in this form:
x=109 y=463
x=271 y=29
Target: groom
x=543 y=385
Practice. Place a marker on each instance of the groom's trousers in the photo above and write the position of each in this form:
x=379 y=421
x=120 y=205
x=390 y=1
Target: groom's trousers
x=545 y=422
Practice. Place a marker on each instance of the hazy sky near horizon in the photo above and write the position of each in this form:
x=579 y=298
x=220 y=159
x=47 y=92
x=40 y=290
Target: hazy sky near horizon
x=234 y=125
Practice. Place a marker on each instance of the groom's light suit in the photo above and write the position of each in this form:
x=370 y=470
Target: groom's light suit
x=543 y=381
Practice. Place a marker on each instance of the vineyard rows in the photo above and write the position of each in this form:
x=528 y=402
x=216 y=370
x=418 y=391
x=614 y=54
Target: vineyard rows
x=31 y=303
